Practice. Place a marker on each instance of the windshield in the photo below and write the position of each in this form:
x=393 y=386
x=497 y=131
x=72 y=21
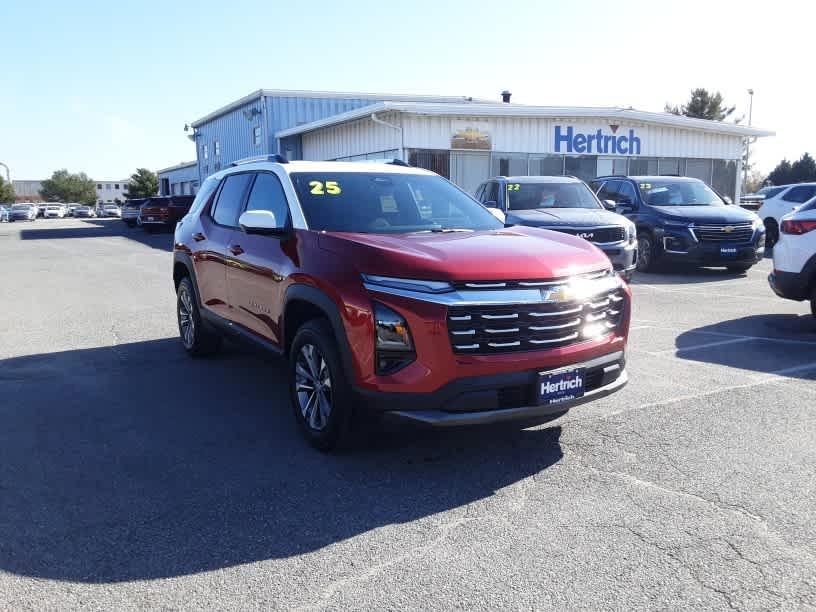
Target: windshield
x=20 y=207
x=530 y=196
x=387 y=203
x=678 y=193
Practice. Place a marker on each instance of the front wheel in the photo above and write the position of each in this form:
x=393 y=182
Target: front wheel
x=646 y=253
x=320 y=394
x=771 y=232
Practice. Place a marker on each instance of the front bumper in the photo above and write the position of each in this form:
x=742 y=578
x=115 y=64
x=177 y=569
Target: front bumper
x=494 y=398
x=789 y=285
x=622 y=255
x=678 y=246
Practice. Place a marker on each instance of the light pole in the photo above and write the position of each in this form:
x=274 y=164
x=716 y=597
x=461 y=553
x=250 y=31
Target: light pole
x=748 y=140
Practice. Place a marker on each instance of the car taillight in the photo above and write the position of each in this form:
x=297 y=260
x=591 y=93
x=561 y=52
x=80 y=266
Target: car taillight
x=797 y=227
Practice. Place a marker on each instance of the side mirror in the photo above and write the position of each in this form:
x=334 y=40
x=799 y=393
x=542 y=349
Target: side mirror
x=260 y=222
x=728 y=200
x=609 y=204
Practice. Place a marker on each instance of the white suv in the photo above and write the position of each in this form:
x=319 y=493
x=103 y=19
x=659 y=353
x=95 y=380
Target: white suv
x=780 y=204
x=794 y=273
x=54 y=210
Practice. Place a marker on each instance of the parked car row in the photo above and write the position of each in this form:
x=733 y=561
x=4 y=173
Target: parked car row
x=29 y=211
x=156 y=212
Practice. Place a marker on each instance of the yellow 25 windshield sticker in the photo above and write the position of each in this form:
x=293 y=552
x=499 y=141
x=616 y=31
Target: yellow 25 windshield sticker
x=513 y=187
x=324 y=188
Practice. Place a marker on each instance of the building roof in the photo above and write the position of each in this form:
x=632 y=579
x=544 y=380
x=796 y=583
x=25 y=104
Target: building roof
x=522 y=110
x=354 y=95
x=180 y=166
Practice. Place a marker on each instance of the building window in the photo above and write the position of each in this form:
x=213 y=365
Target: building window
x=671 y=166
x=699 y=169
x=548 y=165
x=216 y=148
x=643 y=166
x=508 y=164
x=435 y=161
x=205 y=152
x=99 y=187
x=107 y=186
x=724 y=179
x=174 y=188
x=583 y=167
x=116 y=185
x=256 y=135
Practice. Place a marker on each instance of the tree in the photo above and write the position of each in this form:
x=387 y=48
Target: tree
x=66 y=187
x=755 y=182
x=800 y=171
x=703 y=105
x=781 y=175
x=143 y=184
x=6 y=191
x=803 y=169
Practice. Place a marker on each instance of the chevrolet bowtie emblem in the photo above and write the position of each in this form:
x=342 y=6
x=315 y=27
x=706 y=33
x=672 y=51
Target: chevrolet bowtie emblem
x=556 y=295
x=728 y=229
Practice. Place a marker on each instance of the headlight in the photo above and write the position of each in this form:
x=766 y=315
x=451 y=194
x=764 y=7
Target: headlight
x=757 y=224
x=631 y=233
x=394 y=347
x=677 y=224
x=408 y=284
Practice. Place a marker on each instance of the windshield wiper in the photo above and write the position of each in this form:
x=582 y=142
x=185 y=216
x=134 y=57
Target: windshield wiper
x=442 y=230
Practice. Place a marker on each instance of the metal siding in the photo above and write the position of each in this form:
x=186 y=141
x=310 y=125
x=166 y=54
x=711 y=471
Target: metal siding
x=355 y=138
x=189 y=173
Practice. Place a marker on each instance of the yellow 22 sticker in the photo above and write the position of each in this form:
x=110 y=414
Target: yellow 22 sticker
x=513 y=187
x=321 y=188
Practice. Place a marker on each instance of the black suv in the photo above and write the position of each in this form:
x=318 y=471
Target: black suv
x=563 y=204
x=681 y=219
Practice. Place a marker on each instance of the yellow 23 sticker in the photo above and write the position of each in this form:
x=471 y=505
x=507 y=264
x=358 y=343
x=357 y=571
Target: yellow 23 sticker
x=327 y=188
x=513 y=187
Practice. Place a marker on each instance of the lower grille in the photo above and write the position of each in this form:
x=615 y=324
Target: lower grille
x=530 y=327
x=600 y=235
x=737 y=232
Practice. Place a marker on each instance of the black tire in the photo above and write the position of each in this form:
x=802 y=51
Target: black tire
x=196 y=338
x=325 y=432
x=646 y=253
x=813 y=301
x=771 y=232
x=739 y=268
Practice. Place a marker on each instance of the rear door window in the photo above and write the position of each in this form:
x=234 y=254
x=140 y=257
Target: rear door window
x=800 y=194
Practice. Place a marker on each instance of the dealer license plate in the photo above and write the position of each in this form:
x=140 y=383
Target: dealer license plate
x=728 y=251
x=561 y=386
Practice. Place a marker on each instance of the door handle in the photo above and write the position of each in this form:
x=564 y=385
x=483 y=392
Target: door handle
x=236 y=249
x=198 y=237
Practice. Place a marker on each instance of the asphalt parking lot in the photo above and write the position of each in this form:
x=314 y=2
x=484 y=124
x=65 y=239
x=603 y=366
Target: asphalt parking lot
x=132 y=476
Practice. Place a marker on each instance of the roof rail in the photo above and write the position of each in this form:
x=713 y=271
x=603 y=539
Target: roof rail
x=608 y=176
x=274 y=157
x=399 y=162
x=383 y=160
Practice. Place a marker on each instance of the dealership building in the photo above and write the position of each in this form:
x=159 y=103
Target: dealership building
x=469 y=140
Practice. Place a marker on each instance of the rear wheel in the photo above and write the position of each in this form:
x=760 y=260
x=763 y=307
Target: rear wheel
x=813 y=301
x=320 y=394
x=197 y=339
x=646 y=254
x=771 y=232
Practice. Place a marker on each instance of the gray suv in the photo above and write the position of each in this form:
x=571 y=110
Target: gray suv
x=563 y=204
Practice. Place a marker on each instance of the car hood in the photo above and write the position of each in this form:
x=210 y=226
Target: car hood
x=515 y=253
x=706 y=214
x=564 y=217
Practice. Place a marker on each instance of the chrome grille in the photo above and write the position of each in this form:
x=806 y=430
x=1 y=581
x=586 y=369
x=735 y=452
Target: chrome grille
x=735 y=232
x=529 y=327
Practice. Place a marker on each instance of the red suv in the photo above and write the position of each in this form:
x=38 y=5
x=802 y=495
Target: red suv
x=393 y=292
x=163 y=211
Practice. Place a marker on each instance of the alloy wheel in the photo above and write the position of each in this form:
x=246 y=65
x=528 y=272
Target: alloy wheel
x=644 y=255
x=186 y=320
x=313 y=387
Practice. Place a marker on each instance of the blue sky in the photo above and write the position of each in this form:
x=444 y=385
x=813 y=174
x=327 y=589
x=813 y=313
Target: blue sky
x=104 y=87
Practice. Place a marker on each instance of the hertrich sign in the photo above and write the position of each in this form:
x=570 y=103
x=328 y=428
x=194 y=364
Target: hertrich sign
x=569 y=140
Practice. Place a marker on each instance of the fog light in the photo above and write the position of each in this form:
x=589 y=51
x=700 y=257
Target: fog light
x=672 y=244
x=394 y=347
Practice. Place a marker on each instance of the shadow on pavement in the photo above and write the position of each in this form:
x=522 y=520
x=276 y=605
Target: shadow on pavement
x=134 y=462
x=98 y=228
x=685 y=275
x=771 y=343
